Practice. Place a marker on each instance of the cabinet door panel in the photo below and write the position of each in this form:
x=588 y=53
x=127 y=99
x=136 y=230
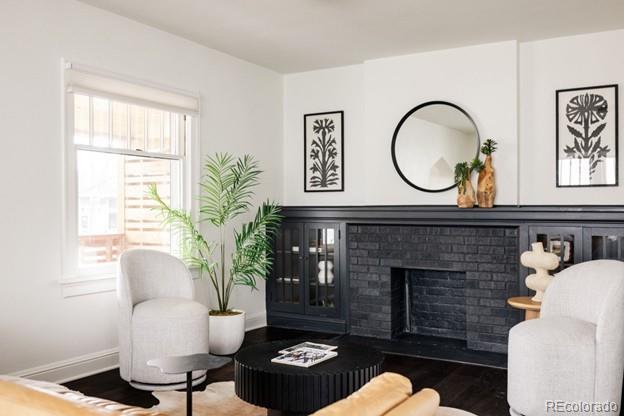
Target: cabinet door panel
x=286 y=280
x=604 y=243
x=566 y=242
x=321 y=268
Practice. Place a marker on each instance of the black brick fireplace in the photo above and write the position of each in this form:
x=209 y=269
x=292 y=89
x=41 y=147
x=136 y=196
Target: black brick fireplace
x=445 y=281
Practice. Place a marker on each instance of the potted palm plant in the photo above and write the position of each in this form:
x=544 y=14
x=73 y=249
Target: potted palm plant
x=227 y=189
x=463 y=179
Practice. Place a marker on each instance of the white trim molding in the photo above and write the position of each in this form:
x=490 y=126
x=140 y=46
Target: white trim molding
x=255 y=321
x=88 y=286
x=73 y=368
x=98 y=362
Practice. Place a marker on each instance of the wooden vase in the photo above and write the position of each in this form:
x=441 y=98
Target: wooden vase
x=486 y=185
x=465 y=195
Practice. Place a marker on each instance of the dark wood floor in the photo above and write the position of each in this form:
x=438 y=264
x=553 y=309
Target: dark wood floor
x=480 y=390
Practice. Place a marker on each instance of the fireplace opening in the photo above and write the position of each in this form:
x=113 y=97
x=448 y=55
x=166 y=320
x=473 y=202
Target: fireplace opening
x=429 y=303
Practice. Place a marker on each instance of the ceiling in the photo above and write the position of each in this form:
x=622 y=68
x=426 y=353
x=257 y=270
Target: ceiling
x=301 y=35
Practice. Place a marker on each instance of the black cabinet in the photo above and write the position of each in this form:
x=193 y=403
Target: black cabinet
x=308 y=281
x=576 y=244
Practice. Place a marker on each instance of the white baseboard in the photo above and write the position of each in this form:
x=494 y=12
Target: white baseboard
x=97 y=362
x=257 y=320
x=73 y=368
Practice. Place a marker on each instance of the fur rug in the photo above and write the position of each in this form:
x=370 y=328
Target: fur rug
x=218 y=399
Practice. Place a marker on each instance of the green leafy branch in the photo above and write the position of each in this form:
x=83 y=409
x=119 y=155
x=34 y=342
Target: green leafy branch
x=227 y=189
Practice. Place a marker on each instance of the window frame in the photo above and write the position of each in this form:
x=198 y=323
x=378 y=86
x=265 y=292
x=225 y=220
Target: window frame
x=75 y=280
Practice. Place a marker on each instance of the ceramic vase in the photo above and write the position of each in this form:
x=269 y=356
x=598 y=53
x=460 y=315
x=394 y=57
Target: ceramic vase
x=226 y=333
x=486 y=185
x=542 y=262
x=465 y=195
x=325 y=278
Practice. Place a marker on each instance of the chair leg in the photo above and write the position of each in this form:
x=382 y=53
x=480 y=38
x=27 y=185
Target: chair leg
x=189 y=393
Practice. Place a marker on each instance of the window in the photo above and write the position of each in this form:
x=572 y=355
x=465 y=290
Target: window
x=119 y=142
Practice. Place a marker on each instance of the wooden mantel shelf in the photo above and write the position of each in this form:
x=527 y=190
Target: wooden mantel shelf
x=500 y=215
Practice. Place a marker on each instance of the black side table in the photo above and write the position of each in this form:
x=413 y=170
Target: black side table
x=187 y=364
x=290 y=390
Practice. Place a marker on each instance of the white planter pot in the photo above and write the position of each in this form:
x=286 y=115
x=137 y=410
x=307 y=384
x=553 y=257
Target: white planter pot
x=226 y=333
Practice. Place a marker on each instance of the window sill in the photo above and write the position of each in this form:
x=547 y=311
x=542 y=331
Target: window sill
x=88 y=285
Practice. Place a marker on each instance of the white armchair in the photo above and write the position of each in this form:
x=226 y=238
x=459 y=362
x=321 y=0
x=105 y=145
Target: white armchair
x=157 y=317
x=575 y=352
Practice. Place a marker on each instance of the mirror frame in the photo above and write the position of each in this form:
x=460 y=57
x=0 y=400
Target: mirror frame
x=398 y=128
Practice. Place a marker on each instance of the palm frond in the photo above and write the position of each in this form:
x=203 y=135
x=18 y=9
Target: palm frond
x=251 y=258
x=244 y=178
x=214 y=184
x=195 y=249
x=227 y=187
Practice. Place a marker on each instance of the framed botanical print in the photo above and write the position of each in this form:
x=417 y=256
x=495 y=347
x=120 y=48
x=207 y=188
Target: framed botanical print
x=323 y=159
x=587 y=136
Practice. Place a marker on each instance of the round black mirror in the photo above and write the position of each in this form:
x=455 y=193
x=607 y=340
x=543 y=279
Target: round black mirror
x=429 y=141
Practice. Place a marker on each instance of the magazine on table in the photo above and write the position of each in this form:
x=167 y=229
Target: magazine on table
x=304 y=357
x=310 y=345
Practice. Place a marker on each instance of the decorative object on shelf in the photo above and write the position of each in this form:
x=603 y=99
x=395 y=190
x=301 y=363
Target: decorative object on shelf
x=587 y=136
x=227 y=188
x=555 y=248
x=486 y=184
x=326 y=279
x=323 y=159
x=463 y=179
x=542 y=262
x=429 y=141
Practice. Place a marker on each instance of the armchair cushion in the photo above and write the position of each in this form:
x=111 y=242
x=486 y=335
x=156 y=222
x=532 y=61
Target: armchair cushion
x=375 y=398
x=423 y=403
x=164 y=327
x=20 y=396
x=166 y=308
x=555 y=354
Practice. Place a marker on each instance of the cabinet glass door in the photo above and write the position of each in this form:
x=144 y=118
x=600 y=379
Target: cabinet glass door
x=286 y=281
x=604 y=243
x=323 y=289
x=565 y=242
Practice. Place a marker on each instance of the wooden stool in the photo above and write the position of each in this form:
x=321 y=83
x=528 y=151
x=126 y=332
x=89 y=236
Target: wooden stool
x=531 y=309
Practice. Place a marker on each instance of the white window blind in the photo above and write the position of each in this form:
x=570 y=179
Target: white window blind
x=121 y=137
x=81 y=78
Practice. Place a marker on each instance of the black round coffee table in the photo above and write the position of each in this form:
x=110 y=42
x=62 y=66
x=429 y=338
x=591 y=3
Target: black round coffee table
x=291 y=390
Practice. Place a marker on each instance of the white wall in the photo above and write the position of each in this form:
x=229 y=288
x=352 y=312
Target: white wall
x=508 y=88
x=376 y=94
x=241 y=112
x=549 y=65
x=320 y=91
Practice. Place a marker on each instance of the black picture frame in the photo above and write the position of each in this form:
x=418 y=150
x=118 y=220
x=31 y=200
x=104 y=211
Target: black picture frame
x=339 y=156
x=398 y=128
x=613 y=139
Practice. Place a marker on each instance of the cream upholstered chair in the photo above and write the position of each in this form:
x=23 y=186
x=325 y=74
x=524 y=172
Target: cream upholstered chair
x=575 y=352
x=157 y=317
